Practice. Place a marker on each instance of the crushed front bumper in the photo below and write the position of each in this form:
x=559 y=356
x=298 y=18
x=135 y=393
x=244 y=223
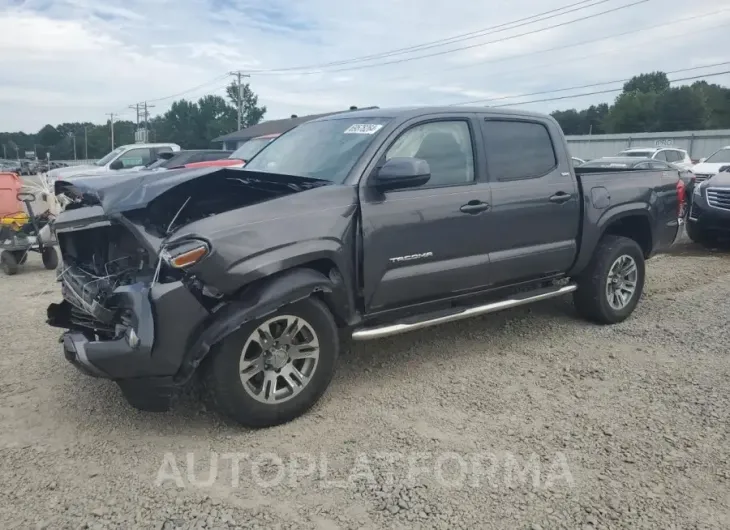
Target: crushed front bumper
x=160 y=323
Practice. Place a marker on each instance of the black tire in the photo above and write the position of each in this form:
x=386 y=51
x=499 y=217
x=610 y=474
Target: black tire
x=699 y=236
x=50 y=258
x=9 y=263
x=225 y=391
x=591 y=300
x=21 y=256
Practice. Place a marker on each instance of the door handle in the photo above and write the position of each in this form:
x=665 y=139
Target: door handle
x=561 y=197
x=474 y=207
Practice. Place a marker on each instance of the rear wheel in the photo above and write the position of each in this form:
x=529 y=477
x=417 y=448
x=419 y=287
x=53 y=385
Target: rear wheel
x=611 y=285
x=8 y=262
x=21 y=256
x=274 y=369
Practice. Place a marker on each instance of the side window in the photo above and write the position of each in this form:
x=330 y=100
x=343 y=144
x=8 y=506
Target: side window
x=445 y=145
x=660 y=155
x=658 y=165
x=518 y=149
x=136 y=157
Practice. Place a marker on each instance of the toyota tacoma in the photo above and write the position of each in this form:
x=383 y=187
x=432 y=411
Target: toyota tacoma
x=349 y=227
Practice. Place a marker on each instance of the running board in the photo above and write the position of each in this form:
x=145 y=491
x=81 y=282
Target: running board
x=517 y=300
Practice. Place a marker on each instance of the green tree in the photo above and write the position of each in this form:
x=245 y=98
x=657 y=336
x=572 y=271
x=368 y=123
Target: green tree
x=633 y=112
x=680 y=109
x=655 y=82
x=594 y=117
x=717 y=101
x=251 y=112
x=570 y=121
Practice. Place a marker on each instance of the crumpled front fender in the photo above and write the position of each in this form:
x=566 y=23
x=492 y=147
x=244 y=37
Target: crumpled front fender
x=264 y=298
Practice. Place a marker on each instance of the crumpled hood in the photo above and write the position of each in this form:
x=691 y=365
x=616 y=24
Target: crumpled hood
x=706 y=168
x=137 y=189
x=65 y=172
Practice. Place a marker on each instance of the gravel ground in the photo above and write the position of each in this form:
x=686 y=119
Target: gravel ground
x=529 y=419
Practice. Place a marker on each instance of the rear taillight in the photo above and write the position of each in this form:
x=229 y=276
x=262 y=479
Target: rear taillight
x=681 y=197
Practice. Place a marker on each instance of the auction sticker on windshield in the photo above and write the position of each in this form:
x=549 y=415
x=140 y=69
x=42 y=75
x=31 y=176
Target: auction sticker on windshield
x=363 y=128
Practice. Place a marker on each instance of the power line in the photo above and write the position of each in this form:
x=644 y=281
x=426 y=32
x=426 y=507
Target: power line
x=501 y=98
x=178 y=94
x=461 y=48
x=572 y=45
x=552 y=13
x=609 y=91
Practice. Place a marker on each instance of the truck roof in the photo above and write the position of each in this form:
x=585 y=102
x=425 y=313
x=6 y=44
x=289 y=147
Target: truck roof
x=415 y=112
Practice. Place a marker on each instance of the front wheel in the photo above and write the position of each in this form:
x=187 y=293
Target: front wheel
x=8 y=262
x=274 y=369
x=611 y=285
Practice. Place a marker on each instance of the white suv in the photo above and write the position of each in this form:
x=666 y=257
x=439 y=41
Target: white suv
x=678 y=157
x=123 y=157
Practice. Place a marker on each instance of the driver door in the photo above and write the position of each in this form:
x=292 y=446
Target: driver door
x=426 y=243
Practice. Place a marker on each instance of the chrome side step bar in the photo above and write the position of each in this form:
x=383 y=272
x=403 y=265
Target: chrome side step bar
x=526 y=298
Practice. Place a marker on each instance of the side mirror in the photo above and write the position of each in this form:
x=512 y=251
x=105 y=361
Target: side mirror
x=402 y=172
x=117 y=164
x=703 y=160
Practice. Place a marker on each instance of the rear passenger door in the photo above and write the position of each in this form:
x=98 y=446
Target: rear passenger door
x=426 y=243
x=535 y=213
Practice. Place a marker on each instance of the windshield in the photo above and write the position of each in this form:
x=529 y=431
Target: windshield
x=248 y=150
x=108 y=158
x=639 y=154
x=720 y=157
x=325 y=149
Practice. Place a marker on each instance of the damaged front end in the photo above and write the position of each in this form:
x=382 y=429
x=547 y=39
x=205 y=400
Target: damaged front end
x=132 y=307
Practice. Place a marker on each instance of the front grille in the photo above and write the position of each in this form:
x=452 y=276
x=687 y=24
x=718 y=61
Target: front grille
x=699 y=177
x=718 y=198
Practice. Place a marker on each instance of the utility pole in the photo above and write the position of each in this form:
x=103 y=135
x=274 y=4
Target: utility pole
x=111 y=126
x=5 y=152
x=136 y=110
x=73 y=137
x=239 y=103
x=86 y=144
x=147 y=115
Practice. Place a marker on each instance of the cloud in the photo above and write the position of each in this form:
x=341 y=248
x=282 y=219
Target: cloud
x=68 y=60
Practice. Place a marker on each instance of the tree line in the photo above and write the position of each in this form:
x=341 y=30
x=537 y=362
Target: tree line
x=191 y=124
x=648 y=103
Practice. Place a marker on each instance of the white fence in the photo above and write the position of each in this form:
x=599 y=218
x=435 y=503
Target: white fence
x=699 y=144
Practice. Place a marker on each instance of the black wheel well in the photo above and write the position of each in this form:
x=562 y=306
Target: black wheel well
x=636 y=227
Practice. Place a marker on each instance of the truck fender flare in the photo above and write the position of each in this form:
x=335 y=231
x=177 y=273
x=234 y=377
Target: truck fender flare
x=593 y=234
x=261 y=299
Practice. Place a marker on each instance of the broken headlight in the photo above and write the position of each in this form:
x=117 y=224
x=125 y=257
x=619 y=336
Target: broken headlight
x=185 y=254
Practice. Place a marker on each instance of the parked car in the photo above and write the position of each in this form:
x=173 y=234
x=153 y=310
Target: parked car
x=678 y=157
x=252 y=147
x=713 y=164
x=356 y=226
x=123 y=157
x=709 y=216
x=186 y=158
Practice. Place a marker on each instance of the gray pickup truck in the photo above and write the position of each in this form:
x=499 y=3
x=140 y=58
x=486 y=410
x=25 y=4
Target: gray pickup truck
x=356 y=226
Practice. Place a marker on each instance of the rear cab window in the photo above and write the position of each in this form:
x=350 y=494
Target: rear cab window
x=518 y=149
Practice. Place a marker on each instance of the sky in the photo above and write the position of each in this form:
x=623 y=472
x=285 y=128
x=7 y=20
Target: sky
x=78 y=60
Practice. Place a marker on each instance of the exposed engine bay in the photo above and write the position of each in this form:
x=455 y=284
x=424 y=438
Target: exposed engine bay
x=101 y=260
